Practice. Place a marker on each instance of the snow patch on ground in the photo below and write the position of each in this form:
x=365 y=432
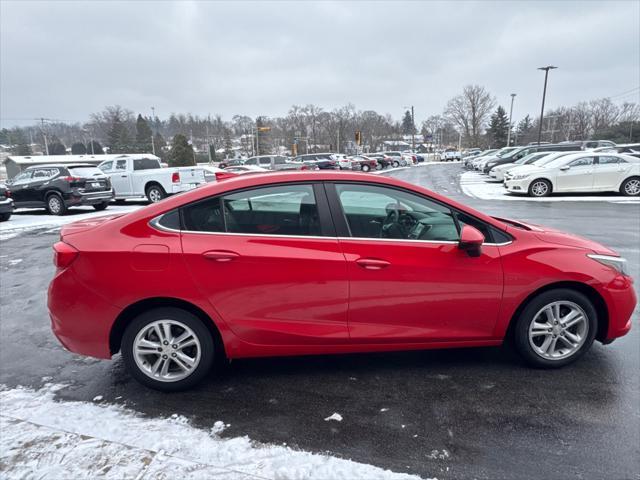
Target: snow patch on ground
x=45 y=438
x=336 y=416
x=24 y=220
x=474 y=184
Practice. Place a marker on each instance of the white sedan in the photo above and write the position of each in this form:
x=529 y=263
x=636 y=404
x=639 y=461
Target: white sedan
x=578 y=172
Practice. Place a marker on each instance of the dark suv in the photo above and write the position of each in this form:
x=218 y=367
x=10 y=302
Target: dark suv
x=57 y=187
x=522 y=152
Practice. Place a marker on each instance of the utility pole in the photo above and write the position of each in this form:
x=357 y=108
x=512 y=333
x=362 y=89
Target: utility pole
x=44 y=136
x=513 y=95
x=544 y=94
x=413 y=129
x=153 y=116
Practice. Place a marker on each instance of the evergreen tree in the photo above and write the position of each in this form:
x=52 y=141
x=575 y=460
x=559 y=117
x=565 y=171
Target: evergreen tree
x=78 y=148
x=525 y=130
x=4 y=137
x=158 y=144
x=181 y=154
x=56 y=147
x=408 y=126
x=212 y=152
x=94 y=148
x=498 y=128
x=118 y=137
x=143 y=135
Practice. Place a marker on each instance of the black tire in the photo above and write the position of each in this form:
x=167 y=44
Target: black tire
x=365 y=168
x=120 y=201
x=528 y=314
x=539 y=188
x=5 y=216
x=396 y=164
x=630 y=187
x=101 y=206
x=55 y=204
x=155 y=193
x=207 y=354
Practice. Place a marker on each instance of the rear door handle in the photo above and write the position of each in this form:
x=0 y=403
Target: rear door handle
x=220 y=255
x=372 y=263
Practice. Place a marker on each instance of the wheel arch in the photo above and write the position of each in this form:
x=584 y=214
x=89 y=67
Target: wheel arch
x=153 y=183
x=137 y=308
x=588 y=291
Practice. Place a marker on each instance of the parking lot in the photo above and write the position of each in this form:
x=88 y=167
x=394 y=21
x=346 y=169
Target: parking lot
x=476 y=413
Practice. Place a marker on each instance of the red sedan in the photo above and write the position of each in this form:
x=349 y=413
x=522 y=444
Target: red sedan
x=325 y=262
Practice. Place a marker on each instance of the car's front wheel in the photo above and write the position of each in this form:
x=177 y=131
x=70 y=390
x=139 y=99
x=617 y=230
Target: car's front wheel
x=5 y=216
x=365 y=168
x=168 y=349
x=555 y=328
x=56 y=205
x=396 y=164
x=540 y=188
x=101 y=206
x=631 y=187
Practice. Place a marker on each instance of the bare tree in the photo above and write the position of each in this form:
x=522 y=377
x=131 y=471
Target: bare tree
x=470 y=112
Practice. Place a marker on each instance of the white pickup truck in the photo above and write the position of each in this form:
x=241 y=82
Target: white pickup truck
x=145 y=177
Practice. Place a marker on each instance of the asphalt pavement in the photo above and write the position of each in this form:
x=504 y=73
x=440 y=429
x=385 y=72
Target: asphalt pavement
x=472 y=413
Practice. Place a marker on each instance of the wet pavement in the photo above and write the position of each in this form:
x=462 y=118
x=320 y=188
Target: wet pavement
x=473 y=413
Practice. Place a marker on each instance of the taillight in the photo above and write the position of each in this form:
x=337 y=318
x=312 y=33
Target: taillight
x=224 y=175
x=304 y=167
x=175 y=177
x=7 y=193
x=63 y=254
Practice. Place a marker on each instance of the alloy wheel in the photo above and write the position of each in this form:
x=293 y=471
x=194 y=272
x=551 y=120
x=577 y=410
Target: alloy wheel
x=155 y=195
x=167 y=350
x=55 y=204
x=558 y=330
x=539 y=189
x=632 y=187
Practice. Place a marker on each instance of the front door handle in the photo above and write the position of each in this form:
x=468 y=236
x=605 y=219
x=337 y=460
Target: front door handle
x=372 y=263
x=220 y=255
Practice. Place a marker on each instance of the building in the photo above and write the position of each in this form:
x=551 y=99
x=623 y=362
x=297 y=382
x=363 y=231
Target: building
x=15 y=164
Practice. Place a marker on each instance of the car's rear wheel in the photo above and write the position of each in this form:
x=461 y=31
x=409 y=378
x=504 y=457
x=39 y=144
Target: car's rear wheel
x=365 y=168
x=101 y=206
x=631 y=187
x=155 y=193
x=555 y=328
x=55 y=204
x=396 y=164
x=540 y=188
x=168 y=349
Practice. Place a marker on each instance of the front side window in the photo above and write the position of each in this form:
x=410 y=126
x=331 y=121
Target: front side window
x=251 y=161
x=265 y=161
x=278 y=210
x=381 y=212
x=121 y=165
x=581 y=162
x=22 y=177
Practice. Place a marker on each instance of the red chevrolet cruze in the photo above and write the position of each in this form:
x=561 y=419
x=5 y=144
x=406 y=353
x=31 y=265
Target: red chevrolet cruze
x=325 y=262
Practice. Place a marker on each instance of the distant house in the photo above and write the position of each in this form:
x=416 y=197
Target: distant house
x=14 y=164
x=395 y=145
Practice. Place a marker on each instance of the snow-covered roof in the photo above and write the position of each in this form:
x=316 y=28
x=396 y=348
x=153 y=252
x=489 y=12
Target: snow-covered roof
x=40 y=159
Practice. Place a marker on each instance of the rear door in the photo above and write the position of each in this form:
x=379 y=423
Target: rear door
x=608 y=172
x=269 y=263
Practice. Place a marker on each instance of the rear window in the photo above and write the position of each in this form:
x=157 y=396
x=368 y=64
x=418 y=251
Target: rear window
x=85 y=171
x=145 y=164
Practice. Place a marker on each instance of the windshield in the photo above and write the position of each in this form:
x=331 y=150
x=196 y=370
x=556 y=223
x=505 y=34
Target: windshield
x=502 y=153
x=531 y=158
x=85 y=172
x=553 y=160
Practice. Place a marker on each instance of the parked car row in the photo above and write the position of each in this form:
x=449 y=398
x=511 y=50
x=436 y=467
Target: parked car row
x=540 y=170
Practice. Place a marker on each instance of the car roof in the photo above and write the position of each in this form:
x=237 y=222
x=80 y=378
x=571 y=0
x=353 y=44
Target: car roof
x=60 y=165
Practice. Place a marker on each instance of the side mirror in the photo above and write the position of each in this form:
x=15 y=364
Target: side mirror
x=564 y=168
x=471 y=240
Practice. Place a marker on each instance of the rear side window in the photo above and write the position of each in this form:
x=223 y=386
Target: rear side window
x=145 y=164
x=170 y=220
x=205 y=216
x=44 y=173
x=610 y=160
x=279 y=210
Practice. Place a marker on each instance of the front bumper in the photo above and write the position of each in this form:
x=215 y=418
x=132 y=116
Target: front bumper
x=621 y=300
x=517 y=186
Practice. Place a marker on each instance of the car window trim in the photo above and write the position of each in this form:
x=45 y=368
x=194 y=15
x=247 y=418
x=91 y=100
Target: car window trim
x=342 y=227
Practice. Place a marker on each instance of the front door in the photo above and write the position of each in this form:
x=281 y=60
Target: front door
x=577 y=177
x=19 y=187
x=409 y=281
x=121 y=179
x=270 y=267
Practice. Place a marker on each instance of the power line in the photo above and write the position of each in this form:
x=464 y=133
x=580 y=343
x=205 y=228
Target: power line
x=625 y=93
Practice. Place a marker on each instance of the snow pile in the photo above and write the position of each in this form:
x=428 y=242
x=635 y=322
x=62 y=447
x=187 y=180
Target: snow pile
x=45 y=438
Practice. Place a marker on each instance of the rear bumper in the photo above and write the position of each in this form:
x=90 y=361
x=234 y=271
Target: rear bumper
x=6 y=206
x=183 y=187
x=80 y=319
x=92 y=198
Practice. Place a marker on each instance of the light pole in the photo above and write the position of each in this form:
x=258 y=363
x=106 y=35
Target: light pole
x=513 y=95
x=544 y=94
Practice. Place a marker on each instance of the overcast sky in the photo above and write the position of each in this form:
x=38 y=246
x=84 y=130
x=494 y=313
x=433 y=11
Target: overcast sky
x=64 y=60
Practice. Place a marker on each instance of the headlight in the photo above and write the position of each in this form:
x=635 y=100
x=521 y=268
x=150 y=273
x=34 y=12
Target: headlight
x=522 y=176
x=619 y=264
